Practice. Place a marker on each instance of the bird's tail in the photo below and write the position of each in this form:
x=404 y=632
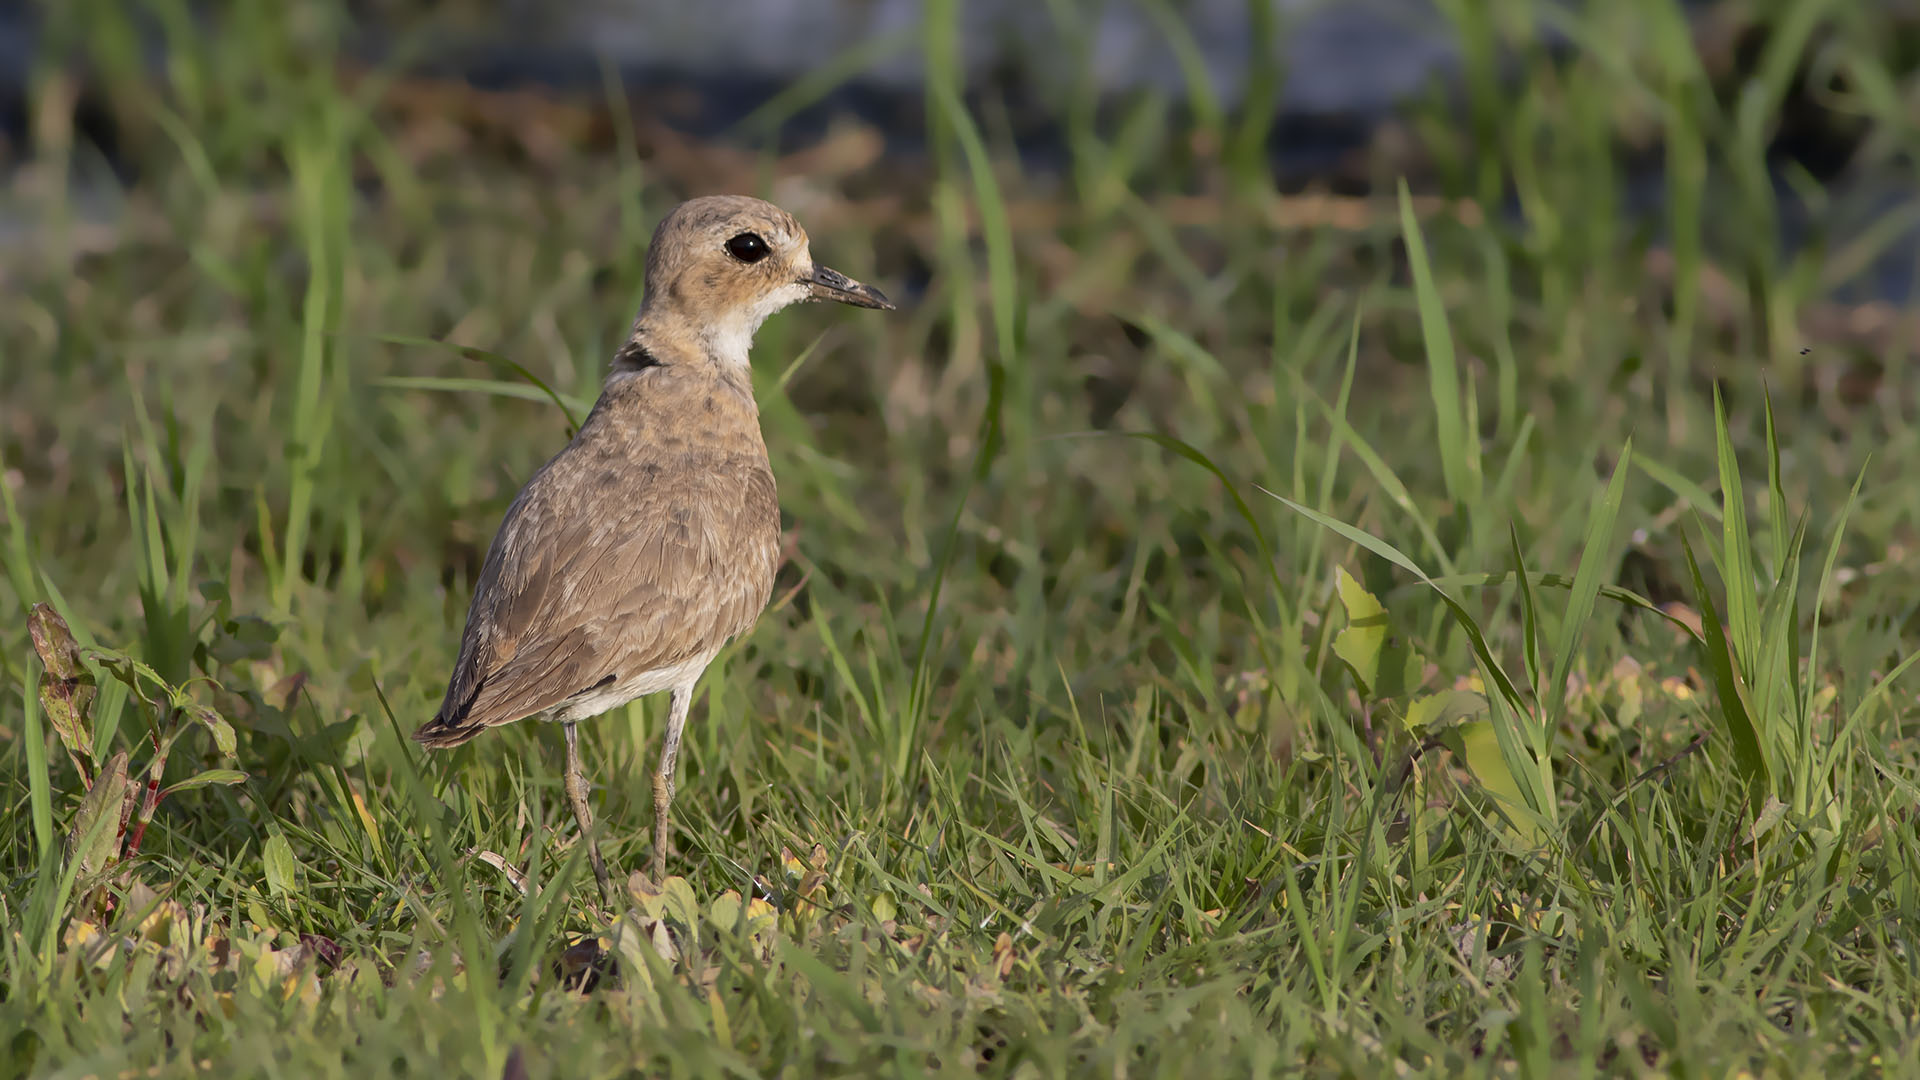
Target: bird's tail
x=440 y=733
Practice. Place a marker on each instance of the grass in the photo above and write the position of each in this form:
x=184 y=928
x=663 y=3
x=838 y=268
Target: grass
x=1422 y=642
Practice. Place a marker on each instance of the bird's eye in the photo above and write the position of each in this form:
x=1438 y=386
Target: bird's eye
x=748 y=248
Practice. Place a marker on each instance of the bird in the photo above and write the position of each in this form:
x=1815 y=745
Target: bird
x=651 y=540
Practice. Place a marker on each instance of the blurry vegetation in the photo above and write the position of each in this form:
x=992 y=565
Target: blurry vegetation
x=1459 y=628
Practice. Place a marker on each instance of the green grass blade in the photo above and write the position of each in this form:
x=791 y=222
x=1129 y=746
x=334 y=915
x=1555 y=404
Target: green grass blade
x=1387 y=551
x=1743 y=609
x=1820 y=595
x=1596 y=558
x=1735 y=715
x=1692 y=495
x=569 y=406
x=1530 y=620
x=39 y=778
x=1459 y=445
x=1383 y=474
x=1777 y=517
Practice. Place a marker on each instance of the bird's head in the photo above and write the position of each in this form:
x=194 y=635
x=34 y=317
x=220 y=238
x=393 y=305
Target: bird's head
x=719 y=265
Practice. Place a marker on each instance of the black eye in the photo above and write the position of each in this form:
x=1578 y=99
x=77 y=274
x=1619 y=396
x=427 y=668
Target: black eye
x=748 y=248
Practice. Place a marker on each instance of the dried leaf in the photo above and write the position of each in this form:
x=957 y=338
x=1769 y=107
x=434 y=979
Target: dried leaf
x=371 y=828
x=66 y=686
x=325 y=951
x=811 y=886
x=634 y=934
x=644 y=892
x=53 y=640
x=499 y=862
x=581 y=964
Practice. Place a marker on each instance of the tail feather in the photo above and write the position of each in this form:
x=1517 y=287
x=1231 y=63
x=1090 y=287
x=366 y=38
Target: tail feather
x=441 y=733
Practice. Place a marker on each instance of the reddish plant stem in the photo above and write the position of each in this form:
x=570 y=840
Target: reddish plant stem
x=151 y=799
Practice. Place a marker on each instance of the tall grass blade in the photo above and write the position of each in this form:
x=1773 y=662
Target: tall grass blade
x=1735 y=712
x=1743 y=609
x=1595 y=559
x=1459 y=445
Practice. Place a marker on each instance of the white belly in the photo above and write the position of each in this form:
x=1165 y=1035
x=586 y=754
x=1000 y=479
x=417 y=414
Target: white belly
x=616 y=694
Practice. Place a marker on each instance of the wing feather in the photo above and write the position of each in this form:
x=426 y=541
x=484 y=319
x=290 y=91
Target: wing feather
x=599 y=574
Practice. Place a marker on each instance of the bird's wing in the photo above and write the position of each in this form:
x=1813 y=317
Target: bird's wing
x=605 y=575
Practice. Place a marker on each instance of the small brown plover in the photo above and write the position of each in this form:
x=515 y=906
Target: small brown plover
x=651 y=540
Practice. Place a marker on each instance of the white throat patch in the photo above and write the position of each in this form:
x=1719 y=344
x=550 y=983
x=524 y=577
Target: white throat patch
x=729 y=337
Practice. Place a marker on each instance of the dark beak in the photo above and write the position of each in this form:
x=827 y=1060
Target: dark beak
x=834 y=285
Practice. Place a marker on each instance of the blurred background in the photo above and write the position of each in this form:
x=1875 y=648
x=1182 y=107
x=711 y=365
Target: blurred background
x=1328 y=96
x=295 y=295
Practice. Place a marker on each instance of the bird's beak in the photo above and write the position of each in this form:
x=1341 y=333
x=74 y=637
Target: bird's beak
x=834 y=285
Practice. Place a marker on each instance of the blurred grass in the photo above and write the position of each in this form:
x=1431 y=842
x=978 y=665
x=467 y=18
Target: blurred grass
x=1060 y=752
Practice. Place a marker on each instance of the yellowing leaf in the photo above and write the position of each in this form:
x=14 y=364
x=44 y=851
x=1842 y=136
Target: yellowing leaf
x=66 y=687
x=633 y=936
x=366 y=823
x=1384 y=666
x=724 y=912
x=1480 y=748
x=1437 y=711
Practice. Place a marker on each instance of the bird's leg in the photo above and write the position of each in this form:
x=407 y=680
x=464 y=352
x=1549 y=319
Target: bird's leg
x=663 y=776
x=577 y=797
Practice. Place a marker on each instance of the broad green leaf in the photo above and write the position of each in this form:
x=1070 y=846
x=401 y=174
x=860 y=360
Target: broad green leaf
x=1462 y=617
x=283 y=870
x=1435 y=712
x=1479 y=747
x=216 y=724
x=1459 y=443
x=1384 y=666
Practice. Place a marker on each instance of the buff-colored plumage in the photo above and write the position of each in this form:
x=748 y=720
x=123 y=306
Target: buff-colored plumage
x=632 y=557
x=644 y=545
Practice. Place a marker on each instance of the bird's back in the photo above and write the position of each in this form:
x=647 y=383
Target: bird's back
x=639 y=549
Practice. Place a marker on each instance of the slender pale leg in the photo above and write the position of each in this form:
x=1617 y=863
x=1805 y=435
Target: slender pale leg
x=663 y=776
x=577 y=796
